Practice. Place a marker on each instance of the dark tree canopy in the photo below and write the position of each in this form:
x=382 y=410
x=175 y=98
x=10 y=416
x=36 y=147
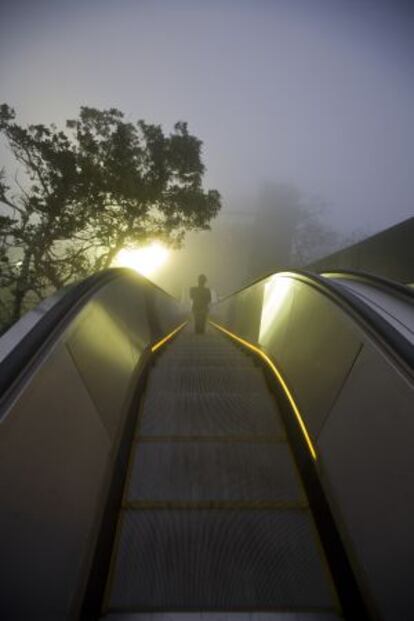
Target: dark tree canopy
x=85 y=193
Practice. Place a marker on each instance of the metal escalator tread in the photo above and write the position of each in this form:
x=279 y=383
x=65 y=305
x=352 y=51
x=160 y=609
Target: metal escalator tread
x=202 y=399
x=208 y=379
x=214 y=516
x=210 y=361
x=224 y=616
x=216 y=413
x=214 y=471
x=218 y=559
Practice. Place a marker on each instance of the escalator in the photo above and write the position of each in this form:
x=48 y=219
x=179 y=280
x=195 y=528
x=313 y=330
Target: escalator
x=214 y=516
x=260 y=472
x=392 y=301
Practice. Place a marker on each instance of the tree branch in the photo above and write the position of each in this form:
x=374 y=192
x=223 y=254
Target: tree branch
x=11 y=205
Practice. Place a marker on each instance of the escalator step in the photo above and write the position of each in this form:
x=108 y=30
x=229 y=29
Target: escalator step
x=214 y=515
x=218 y=560
x=223 y=616
x=207 y=379
x=186 y=362
x=206 y=471
x=212 y=413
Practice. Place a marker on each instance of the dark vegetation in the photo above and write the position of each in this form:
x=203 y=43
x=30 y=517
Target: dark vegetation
x=83 y=193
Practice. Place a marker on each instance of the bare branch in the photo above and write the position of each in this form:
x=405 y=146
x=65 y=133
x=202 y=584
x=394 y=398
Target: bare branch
x=13 y=206
x=21 y=188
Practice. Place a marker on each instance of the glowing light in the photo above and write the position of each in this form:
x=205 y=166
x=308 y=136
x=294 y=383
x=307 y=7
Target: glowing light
x=275 y=294
x=281 y=381
x=145 y=260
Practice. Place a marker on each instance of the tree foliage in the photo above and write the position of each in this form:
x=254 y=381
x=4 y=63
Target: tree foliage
x=291 y=230
x=82 y=194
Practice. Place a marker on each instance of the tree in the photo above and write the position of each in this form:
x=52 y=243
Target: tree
x=101 y=185
x=291 y=230
x=279 y=212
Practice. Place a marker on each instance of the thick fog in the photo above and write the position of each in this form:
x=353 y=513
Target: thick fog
x=305 y=109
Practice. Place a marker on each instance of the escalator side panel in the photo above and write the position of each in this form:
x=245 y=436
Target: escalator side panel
x=319 y=348
x=105 y=359
x=54 y=453
x=356 y=396
x=366 y=450
x=61 y=424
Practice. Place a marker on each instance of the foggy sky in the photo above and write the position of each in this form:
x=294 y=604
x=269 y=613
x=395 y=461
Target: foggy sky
x=319 y=93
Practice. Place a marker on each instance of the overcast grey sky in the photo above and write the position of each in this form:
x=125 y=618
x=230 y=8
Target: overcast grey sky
x=315 y=92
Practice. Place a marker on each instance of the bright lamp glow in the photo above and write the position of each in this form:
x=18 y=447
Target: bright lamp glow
x=145 y=260
x=276 y=293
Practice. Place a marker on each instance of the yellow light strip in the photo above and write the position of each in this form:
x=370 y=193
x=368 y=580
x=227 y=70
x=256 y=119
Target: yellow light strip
x=280 y=379
x=168 y=337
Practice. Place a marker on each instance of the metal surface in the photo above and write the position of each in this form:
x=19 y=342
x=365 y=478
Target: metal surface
x=214 y=515
x=356 y=399
x=389 y=254
x=222 y=414
x=224 y=616
x=367 y=469
x=396 y=310
x=205 y=471
x=218 y=559
x=61 y=422
x=214 y=522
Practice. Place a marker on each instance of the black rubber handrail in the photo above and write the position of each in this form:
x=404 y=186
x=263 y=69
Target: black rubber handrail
x=379 y=329
x=382 y=332
x=387 y=285
x=54 y=321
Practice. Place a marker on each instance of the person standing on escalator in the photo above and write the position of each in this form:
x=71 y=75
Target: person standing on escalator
x=201 y=297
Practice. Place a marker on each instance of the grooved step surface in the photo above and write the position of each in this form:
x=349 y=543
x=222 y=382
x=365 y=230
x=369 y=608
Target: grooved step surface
x=192 y=560
x=207 y=379
x=184 y=363
x=224 y=616
x=215 y=413
x=214 y=514
x=194 y=471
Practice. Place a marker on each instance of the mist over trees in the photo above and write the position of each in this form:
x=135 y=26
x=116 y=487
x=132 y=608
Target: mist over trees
x=279 y=228
x=103 y=184
x=81 y=195
x=291 y=230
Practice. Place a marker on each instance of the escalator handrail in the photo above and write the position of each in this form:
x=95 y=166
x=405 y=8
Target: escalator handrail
x=381 y=331
x=51 y=324
x=400 y=290
x=384 y=334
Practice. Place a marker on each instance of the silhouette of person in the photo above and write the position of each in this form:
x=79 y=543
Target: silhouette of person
x=201 y=297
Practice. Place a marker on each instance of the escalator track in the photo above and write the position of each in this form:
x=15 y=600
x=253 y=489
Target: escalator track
x=214 y=516
x=157 y=477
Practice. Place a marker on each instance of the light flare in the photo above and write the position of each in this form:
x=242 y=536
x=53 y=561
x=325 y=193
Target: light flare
x=145 y=260
x=276 y=293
